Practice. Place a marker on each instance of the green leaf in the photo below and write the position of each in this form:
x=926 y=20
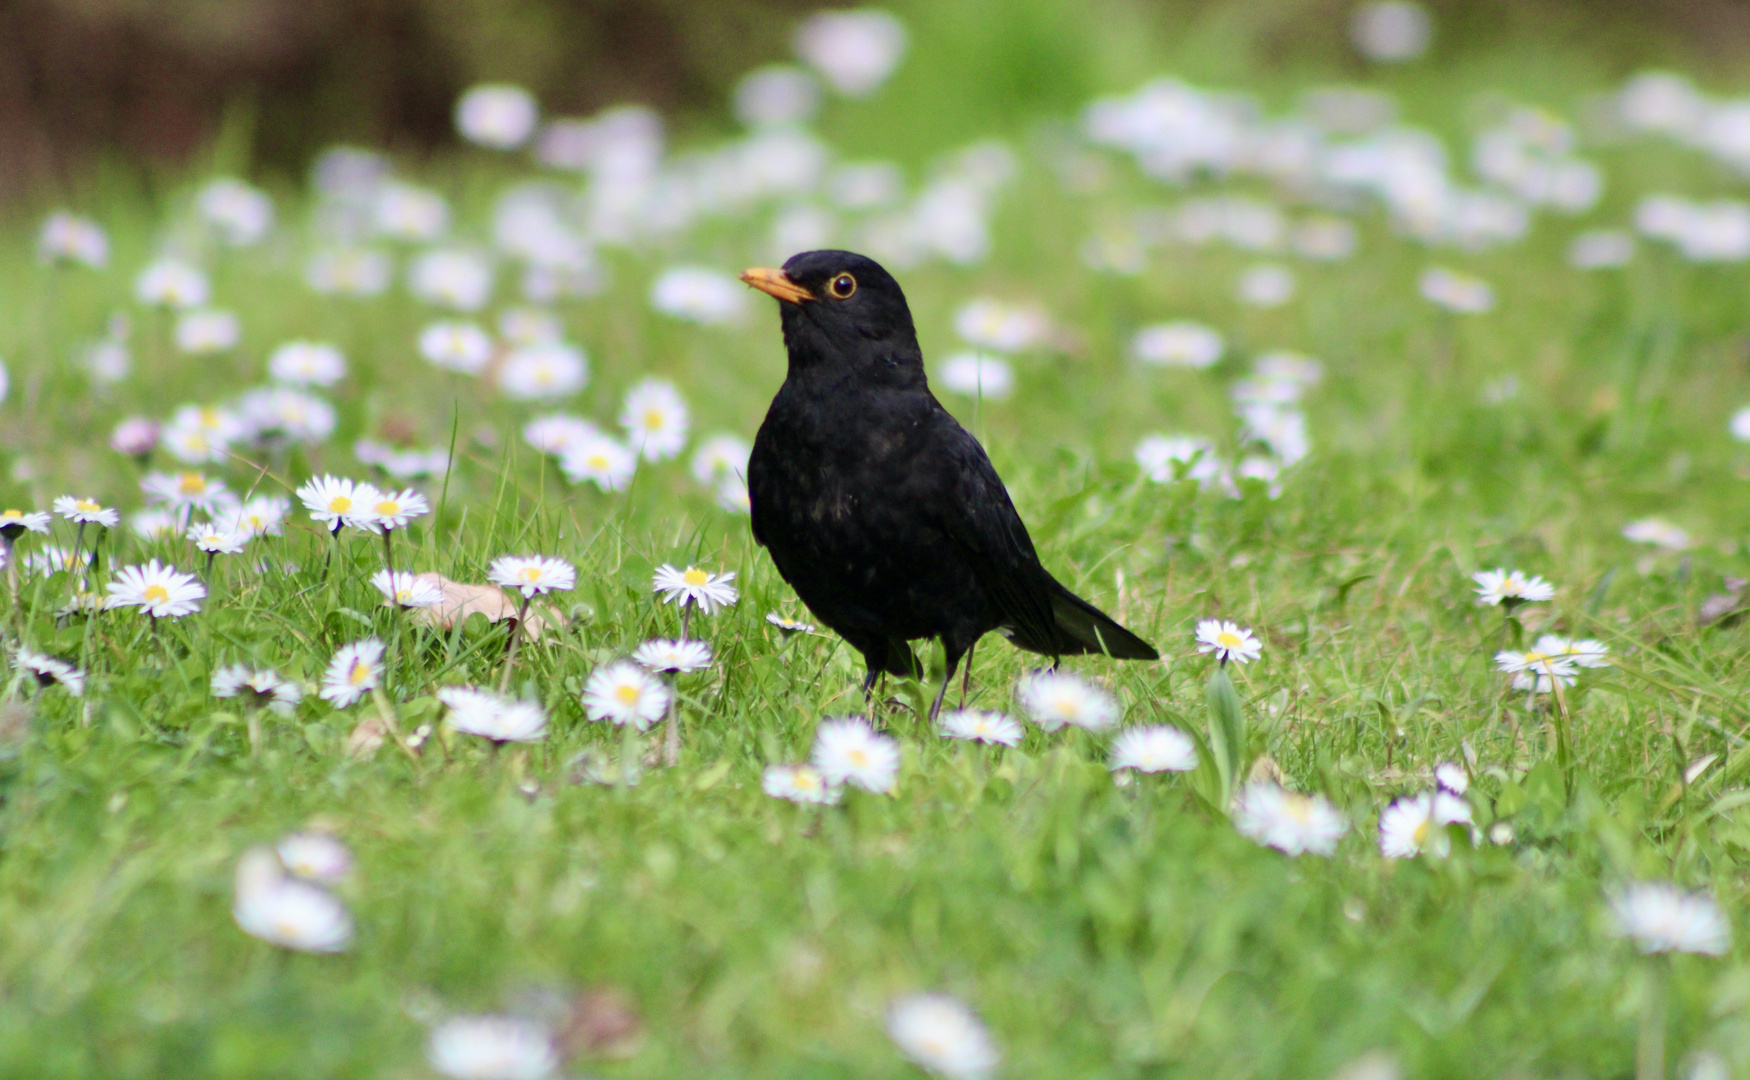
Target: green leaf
x=1227 y=731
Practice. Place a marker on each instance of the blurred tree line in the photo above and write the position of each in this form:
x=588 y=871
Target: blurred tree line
x=154 y=80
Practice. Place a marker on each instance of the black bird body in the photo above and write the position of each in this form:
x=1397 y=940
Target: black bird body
x=880 y=510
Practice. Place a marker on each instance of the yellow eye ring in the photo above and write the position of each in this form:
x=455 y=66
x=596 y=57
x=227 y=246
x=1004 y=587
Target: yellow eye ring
x=842 y=286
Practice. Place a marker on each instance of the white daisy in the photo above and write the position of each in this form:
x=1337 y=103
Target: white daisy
x=601 y=460
x=263 y=515
x=675 y=656
x=854 y=51
x=943 y=1036
x=1510 y=587
x=215 y=539
x=1450 y=776
x=50 y=559
x=1001 y=327
x=334 y=501
x=403 y=211
x=86 y=511
x=1178 y=344
x=698 y=295
x=1660 y=917
x=720 y=456
x=1585 y=653
x=532 y=574
x=241 y=213
x=155 y=524
x=185 y=490
x=460 y=280
x=787 y=626
x=15 y=522
x=405 y=589
x=158 y=590
x=1658 y=532
x=1158 y=748
x=655 y=419
x=1227 y=641
x=135 y=436
x=491 y=716
x=1287 y=821
x=558 y=433
x=733 y=496
x=543 y=372
x=285 y=911
x=355 y=671
x=798 y=783
x=977 y=725
x=529 y=326
x=499 y=116
x=1537 y=670
x=695 y=586
x=200 y=333
x=456 y=346
x=849 y=751
x=394 y=509
x=976 y=375
x=1055 y=698
x=67 y=236
x=171 y=283
x=51 y=671
x=349 y=272
x=315 y=856
x=625 y=693
x=261 y=687
x=1414 y=824
x=492 y=1048
x=307 y=363
x=1266 y=285
x=1456 y=292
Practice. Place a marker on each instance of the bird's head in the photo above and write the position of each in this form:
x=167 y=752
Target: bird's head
x=841 y=307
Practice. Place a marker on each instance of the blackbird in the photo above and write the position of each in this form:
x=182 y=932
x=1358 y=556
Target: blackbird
x=880 y=510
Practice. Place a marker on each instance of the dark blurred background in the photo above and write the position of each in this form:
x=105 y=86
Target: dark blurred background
x=152 y=81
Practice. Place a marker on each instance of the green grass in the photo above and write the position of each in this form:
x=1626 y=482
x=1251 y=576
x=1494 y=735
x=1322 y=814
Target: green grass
x=1100 y=930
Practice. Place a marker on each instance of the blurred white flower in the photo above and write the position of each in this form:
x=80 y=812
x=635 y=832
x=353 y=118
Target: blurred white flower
x=68 y=237
x=799 y=783
x=172 y=283
x=287 y=911
x=854 y=51
x=943 y=1036
x=993 y=324
x=777 y=94
x=1510 y=587
x=558 y=433
x=200 y=333
x=719 y=456
x=460 y=280
x=349 y=272
x=543 y=372
x=1601 y=249
x=977 y=375
x=624 y=693
x=1660 y=917
x=240 y=213
x=315 y=856
x=1391 y=31
x=1178 y=344
x=1415 y=824
x=995 y=728
x=1055 y=698
x=655 y=419
x=1158 y=748
x=356 y=670
x=865 y=185
x=661 y=654
x=404 y=589
x=405 y=212
x=492 y=1048
x=1658 y=532
x=259 y=687
x=1266 y=285
x=849 y=751
x=498 y=116
x=493 y=716
x=599 y=459
x=307 y=363
x=456 y=346
x=1165 y=458
x=50 y=671
x=1289 y=822
x=1457 y=292
x=698 y=295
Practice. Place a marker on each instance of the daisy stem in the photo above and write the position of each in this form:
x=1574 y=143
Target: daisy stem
x=1559 y=718
x=254 y=721
x=328 y=562
x=516 y=639
x=1650 y=1053
x=386 y=713
x=628 y=754
x=686 y=618
x=78 y=545
x=6 y=549
x=671 y=749
x=207 y=575
x=389 y=555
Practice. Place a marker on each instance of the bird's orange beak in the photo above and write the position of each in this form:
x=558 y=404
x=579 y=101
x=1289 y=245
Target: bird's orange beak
x=776 y=283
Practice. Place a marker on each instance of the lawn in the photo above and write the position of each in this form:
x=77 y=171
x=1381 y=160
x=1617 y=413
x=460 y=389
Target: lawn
x=1100 y=922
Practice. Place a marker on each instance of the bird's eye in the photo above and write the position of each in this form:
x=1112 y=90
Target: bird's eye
x=843 y=286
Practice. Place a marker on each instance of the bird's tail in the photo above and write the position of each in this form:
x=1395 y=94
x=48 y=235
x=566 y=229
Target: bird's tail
x=1083 y=628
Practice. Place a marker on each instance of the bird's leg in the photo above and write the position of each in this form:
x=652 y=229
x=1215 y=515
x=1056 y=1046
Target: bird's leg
x=966 y=676
x=953 y=662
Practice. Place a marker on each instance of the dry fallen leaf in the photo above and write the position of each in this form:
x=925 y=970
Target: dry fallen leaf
x=462 y=600
x=367 y=738
x=604 y=1023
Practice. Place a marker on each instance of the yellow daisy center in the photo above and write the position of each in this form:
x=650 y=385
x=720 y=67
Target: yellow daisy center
x=859 y=758
x=1228 y=640
x=10 y=514
x=86 y=505
x=627 y=694
x=805 y=781
x=156 y=594
x=1069 y=707
x=653 y=418
x=530 y=574
x=191 y=483
x=1420 y=836
x=209 y=416
x=340 y=504
x=389 y=508
x=359 y=673
x=597 y=461
x=1300 y=809
x=695 y=576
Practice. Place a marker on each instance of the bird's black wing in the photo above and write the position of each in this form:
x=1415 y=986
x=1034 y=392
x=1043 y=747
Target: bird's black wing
x=982 y=521
x=1041 y=614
